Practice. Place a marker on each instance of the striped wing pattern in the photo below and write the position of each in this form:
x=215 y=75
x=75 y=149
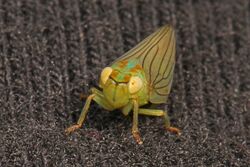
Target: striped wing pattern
x=156 y=54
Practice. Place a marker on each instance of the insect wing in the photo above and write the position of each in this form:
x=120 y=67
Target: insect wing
x=156 y=54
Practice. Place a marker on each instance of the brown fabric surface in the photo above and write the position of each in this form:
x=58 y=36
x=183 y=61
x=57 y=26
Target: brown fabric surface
x=51 y=51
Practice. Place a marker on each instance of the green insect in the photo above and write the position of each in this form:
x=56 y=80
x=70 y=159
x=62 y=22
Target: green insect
x=141 y=76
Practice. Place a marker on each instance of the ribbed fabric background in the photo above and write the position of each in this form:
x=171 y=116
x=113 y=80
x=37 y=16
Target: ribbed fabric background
x=52 y=51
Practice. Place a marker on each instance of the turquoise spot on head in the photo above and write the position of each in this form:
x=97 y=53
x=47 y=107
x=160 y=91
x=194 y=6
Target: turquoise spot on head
x=131 y=64
x=126 y=69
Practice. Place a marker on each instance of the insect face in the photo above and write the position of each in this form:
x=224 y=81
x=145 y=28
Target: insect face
x=116 y=93
x=118 y=86
x=115 y=87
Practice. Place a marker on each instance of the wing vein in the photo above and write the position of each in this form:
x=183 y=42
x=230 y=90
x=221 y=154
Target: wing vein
x=142 y=47
x=151 y=63
x=163 y=59
x=166 y=78
x=152 y=48
x=166 y=68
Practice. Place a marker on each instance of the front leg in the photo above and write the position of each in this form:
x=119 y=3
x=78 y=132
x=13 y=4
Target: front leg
x=135 y=130
x=82 y=116
x=99 y=98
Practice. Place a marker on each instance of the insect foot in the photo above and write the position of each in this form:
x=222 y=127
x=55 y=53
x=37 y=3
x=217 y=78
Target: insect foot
x=137 y=137
x=174 y=130
x=72 y=129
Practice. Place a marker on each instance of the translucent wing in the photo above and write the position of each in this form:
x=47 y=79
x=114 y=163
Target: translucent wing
x=156 y=54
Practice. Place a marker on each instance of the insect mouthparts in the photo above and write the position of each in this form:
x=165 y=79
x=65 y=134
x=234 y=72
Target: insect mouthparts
x=114 y=93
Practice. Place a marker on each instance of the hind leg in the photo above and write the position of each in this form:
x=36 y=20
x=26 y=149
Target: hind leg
x=160 y=113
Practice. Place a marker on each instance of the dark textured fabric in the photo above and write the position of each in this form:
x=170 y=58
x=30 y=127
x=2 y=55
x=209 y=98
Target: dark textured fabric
x=52 y=51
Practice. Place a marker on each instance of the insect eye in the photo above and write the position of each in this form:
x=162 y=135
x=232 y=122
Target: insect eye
x=134 y=85
x=105 y=74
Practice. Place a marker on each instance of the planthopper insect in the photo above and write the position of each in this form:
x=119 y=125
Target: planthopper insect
x=141 y=76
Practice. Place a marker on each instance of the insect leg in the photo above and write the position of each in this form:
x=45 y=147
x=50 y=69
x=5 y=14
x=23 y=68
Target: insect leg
x=167 y=125
x=126 y=110
x=151 y=112
x=82 y=116
x=83 y=96
x=160 y=113
x=135 y=130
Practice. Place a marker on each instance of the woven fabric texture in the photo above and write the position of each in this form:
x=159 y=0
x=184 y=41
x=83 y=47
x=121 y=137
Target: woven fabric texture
x=51 y=51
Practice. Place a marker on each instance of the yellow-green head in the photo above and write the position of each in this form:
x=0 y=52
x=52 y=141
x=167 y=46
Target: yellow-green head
x=122 y=81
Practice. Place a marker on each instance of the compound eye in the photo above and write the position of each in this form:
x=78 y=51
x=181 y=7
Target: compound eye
x=105 y=74
x=134 y=85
